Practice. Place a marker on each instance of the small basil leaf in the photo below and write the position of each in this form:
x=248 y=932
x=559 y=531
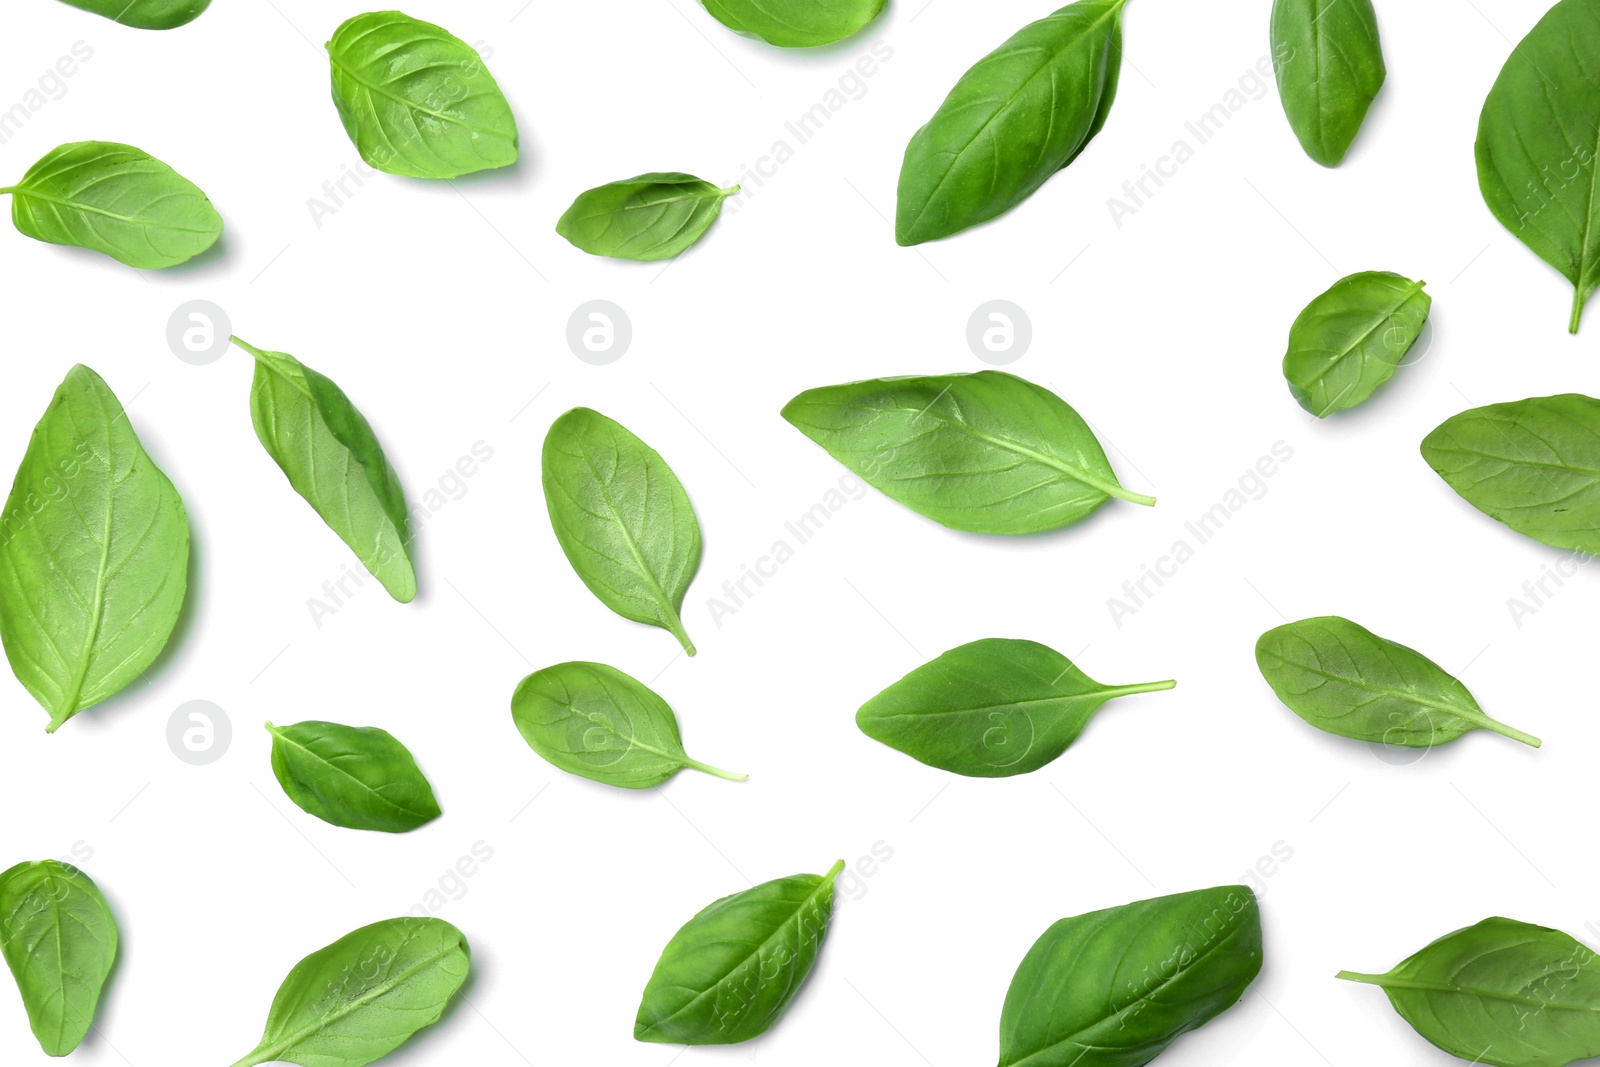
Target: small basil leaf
x=795 y=23
x=115 y=199
x=360 y=778
x=985 y=452
x=1021 y=114
x=729 y=974
x=417 y=101
x=653 y=216
x=599 y=723
x=146 y=14
x=365 y=995
x=990 y=709
x=1115 y=988
x=327 y=450
x=1345 y=679
x=1351 y=339
x=1330 y=67
x=94 y=553
x=622 y=518
x=1503 y=992
x=60 y=940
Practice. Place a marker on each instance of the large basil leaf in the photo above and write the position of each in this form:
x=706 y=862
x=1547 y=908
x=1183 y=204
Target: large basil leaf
x=990 y=709
x=1351 y=339
x=985 y=452
x=1532 y=464
x=795 y=23
x=94 y=553
x=1115 y=988
x=418 y=101
x=115 y=199
x=1503 y=992
x=1343 y=678
x=653 y=216
x=360 y=778
x=327 y=450
x=1021 y=114
x=59 y=940
x=597 y=722
x=1329 y=63
x=622 y=518
x=146 y=14
x=365 y=995
x=1538 y=138
x=729 y=974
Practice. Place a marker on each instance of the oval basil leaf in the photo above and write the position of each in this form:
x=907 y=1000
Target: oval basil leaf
x=94 y=553
x=1532 y=464
x=59 y=940
x=990 y=709
x=360 y=778
x=653 y=216
x=730 y=973
x=365 y=995
x=1345 y=679
x=599 y=723
x=1503 y=992
x=417 y=101
x=1115 y=988
x=115 y=199
x=146 y=14
x=985 y=452
x=1021 y=114
x=1537 y=145
x=1351 y=339
x=795 y=23
x=622 y=518
x=1329 y=63
x=327 y=450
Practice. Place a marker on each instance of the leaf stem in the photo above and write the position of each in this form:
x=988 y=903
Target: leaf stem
x=11 y=189
x=729 y=191
x=834 y=871
x=1357 y=976
x=1578 y=300
x=1130 y=496
x=57 y=718
x=680 y=633
x=247 y=346
x=1141 y=687
x=715 y=772
x=1512 y=732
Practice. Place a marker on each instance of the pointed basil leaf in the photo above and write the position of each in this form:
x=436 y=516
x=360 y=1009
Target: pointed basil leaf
x=115 y=199
x=1351 y=339
x=990 y=709
x=985 y=452
x=795 y=23
x=1115 y=988
x=622 y=518
x=146 y=14
x=365 y=995
x=327 y=450
x=360 y=778
x=1021 y=114
x=1330 y=67
x=599 y=723
x=417 y=101
x=1345 y=679
x=1503 y=992
x=653 y=216
x=60 y=940
x=94 y=553
x=1537 y=145
x=729 y=974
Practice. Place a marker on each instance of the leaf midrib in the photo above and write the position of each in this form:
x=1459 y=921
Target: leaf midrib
x=379 y=90
x=1478 y=717
x=26 y=190
x=281 y=735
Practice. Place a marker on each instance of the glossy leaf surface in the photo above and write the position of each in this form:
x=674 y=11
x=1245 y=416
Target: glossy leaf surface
x=653 y=216
x=795 y=23
x=146 y=14
x=360 y=778
x=1352 y=338
x=60 y=941
x=1329 y=63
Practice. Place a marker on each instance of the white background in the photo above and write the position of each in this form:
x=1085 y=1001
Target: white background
x=441 y=308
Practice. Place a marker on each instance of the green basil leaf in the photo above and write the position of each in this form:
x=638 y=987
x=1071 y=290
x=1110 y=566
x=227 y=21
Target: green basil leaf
x=365 y=995
x=1343 y=678
x=1503 y=992
x=729 y=974
x=327 y=450
x=1021 y=114
x=94 y=553
x=1351 y=339
x=1532 y=464
x=146 y=14
x=599 y=723
x=417 y=101
x=1330 y=67
x=653 y=216
x=360 y=778
x=1115 y=988
x=60 y=940
x=795 y=23
x=1537 y=144
x=984 y=452
x=115 y=199
x=622 y=518
x=990 y=709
